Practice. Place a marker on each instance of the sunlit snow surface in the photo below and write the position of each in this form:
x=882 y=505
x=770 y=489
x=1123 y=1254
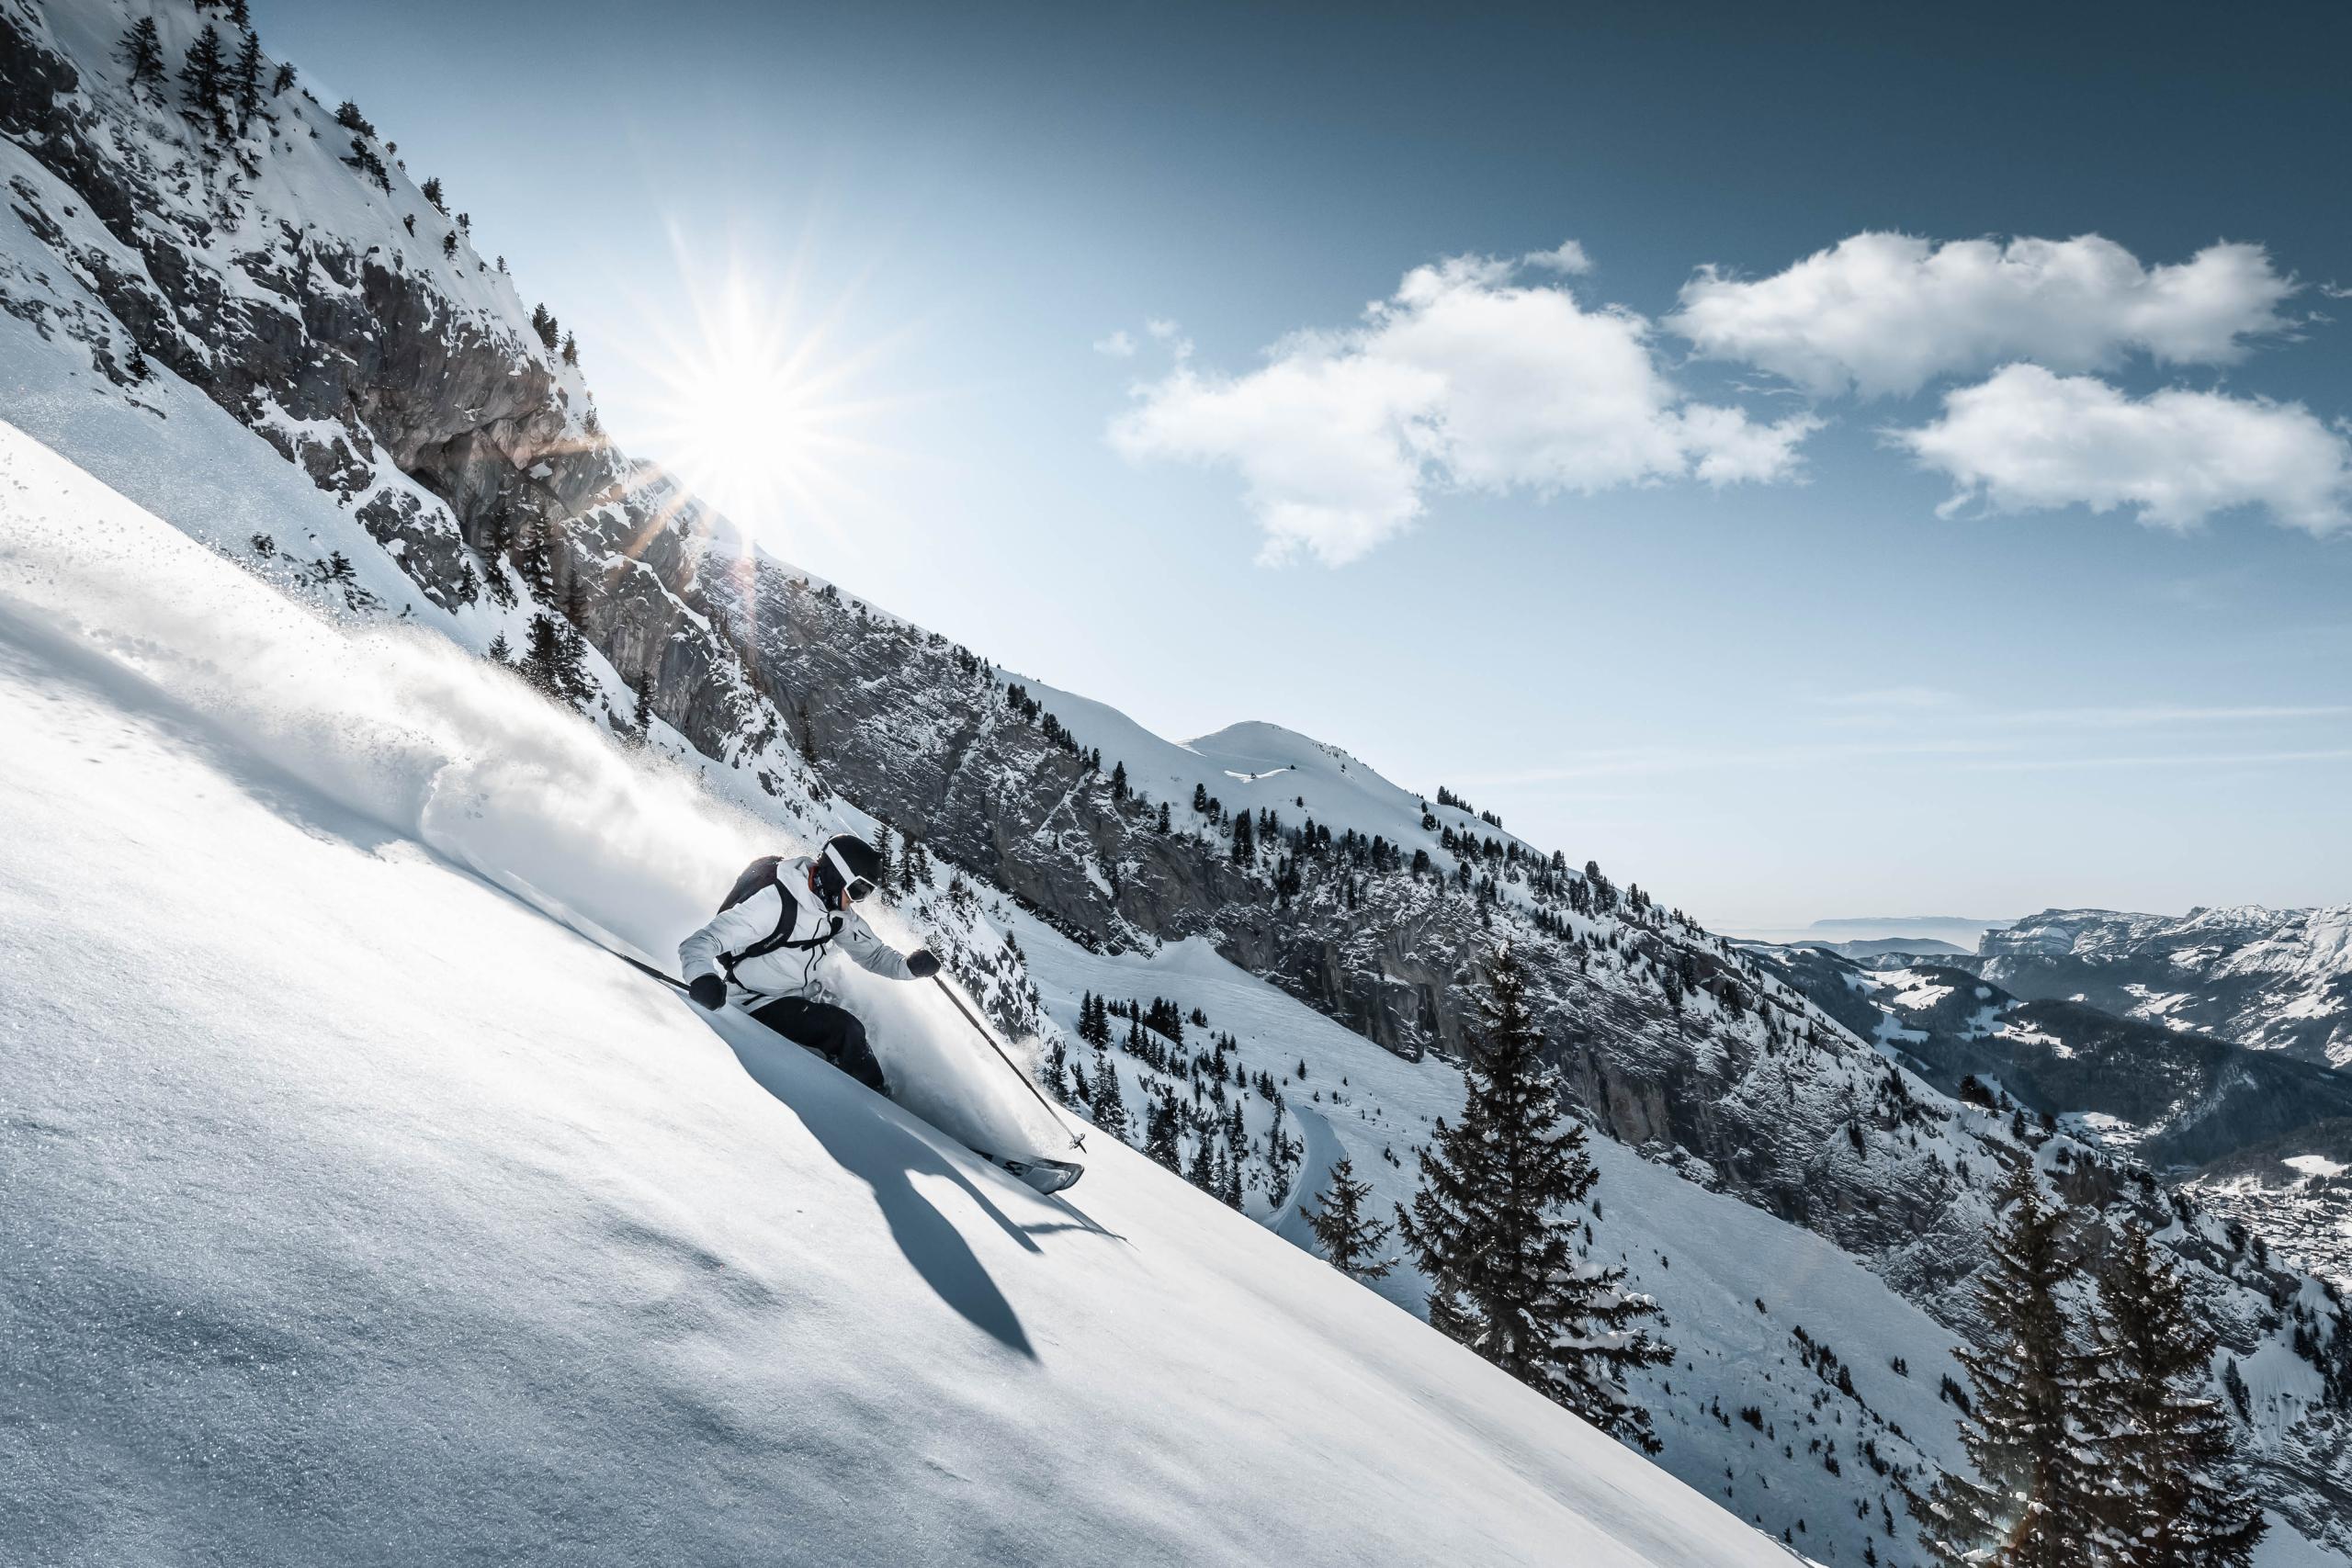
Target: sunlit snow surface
x=358 y=1213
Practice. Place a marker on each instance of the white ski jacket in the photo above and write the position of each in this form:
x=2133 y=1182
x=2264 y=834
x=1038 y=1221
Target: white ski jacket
x=788 y=971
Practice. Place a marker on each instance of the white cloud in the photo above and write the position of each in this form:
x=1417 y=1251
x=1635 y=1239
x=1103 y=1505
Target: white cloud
x=1886 y=313
x=1568 y=257
x=1118 y=346
x=2027 y=440
x=1466 y=376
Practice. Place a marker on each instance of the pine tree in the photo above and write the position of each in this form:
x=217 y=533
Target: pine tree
x=579 y=687
x=1162 y=825
x=570 y=349
x=539 y=561
x=2165 y=1449
x=1236 y=1149
x=1109 y=1104
x=449 y=243
x=498 y=541
x=143 y=50
x=1160 y=1134
x=1351 y=1238
x=641 y=692
x=501 y=650
x=202 y=78
x=1245 y=842
x=2035 y=1504
x=885 y=871
x=1202 y=1172
x=1489 y=1227
x=1094 y=1020
x=244 y=79
x=430 y=191
x=543 y=663
x=575 y=598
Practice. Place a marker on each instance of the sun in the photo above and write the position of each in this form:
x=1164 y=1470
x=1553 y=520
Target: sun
x=750 y=402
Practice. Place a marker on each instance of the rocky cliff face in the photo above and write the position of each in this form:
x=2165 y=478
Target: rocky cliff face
x=346 y=319
x=2269 y=980
x=353 y=326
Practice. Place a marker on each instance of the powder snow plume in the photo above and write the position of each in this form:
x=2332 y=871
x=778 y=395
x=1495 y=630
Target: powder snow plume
x=405 y=729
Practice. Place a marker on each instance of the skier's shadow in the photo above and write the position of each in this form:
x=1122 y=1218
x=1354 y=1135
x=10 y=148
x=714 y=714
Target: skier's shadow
x=875 y=1148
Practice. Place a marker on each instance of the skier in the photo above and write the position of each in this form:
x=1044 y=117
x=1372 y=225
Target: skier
x=768 y=935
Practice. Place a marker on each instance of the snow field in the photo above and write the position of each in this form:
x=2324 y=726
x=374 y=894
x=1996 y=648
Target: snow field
x=360 y=1212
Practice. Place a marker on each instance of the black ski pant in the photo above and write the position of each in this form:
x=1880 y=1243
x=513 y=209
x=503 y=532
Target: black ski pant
x=832 y=1032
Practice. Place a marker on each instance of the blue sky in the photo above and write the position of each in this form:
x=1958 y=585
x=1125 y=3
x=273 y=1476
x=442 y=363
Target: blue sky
x=1798 y=692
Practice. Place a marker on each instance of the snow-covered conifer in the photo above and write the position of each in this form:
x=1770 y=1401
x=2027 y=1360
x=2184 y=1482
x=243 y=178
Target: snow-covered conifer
x=1109 y=1104
x=1351 y=1238
x=244 y=82
x=2165 y=1449
x=2033 y=1503
x=1489 y=1225
x=143 y=50
x=203 y=83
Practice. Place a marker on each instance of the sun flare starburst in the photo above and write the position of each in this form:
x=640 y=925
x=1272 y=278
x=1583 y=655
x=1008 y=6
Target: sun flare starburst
x=750 y=402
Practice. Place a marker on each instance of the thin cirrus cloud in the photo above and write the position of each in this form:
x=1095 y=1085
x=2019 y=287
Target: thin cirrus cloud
x=1892 y=706
x=1880 y=314
x=1470 y=376
x=2027 y=440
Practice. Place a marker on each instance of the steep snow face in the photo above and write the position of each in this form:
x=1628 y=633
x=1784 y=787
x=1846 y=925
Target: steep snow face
x=359 y=1212
x=1751 y=1303
x=2268 y=979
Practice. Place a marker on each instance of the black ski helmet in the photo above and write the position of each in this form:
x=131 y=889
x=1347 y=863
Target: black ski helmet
x=847 y=864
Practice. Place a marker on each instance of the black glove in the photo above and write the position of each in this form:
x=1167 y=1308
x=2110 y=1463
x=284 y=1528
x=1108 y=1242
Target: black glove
x=709 y=991
x=922 y=963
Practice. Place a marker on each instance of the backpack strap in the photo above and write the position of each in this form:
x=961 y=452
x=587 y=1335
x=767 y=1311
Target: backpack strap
x=782 y=936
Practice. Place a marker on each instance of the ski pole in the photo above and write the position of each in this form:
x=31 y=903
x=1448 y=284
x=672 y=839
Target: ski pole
x=675 y=985
x=1077 y=1139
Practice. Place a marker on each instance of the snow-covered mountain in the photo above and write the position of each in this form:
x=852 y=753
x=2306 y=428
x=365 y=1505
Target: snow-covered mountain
x=2270 y=979
x=266 y=336
x=2174 y=1097
x=2261 y=1139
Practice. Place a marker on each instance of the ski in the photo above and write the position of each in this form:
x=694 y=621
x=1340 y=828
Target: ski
x=1047 y=1176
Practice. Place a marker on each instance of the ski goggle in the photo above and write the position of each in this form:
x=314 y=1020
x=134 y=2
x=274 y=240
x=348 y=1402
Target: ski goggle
x=856 y=887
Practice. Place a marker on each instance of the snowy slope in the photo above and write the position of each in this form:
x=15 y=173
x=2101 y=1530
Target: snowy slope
x=1254 y=765
x=358 y=1211
x=1751 y=1303
x=1708 y=1260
